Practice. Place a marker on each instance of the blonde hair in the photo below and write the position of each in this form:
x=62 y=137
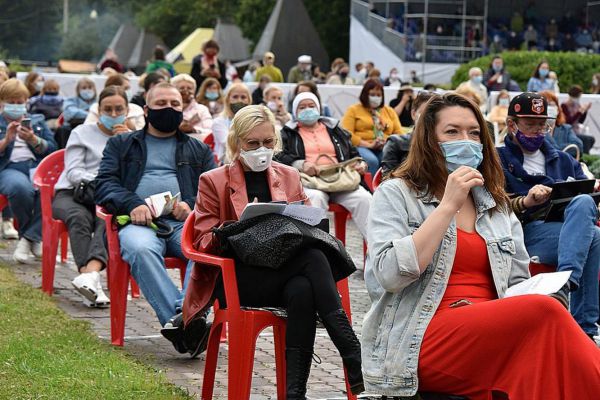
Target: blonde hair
x=244 y=121
x=234 y=86
x=13 y=88
x=184 y=78
x=271 y=88
x=469 y=94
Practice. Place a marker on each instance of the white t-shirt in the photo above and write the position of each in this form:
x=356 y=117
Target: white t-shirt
x=535 y=164
x=21 y=151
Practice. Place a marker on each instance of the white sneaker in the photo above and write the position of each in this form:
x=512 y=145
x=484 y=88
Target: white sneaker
x=37 y=249
x=23 y=251
x=102 y=299
x=8 y=230
x=87 y=285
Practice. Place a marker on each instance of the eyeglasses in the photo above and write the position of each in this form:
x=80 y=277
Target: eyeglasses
x=540 y=129
x=253 y=144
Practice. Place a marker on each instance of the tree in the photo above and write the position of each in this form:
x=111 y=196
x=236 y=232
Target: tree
x=332 y=21
x=252 y=17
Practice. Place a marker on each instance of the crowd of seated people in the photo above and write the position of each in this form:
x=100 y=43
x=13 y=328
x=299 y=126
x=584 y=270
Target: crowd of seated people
x=456 y=207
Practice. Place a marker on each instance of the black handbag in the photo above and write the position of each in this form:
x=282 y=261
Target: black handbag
x=83 y=193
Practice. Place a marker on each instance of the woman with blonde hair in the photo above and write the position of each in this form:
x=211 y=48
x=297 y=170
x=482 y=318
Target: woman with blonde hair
x=304 y=286
x=197 y=121
x=210 y=95
x=237 y=97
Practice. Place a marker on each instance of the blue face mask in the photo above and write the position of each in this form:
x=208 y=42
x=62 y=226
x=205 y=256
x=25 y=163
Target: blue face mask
x=543 y=72
x=211 y=95
x=87 y=94
x=462 y=152
x=308 y=116
x=14 y=111
x=477 y=79
x=110 y=122
x=497 y=68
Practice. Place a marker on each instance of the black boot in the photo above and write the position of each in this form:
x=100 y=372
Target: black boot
x=297 y=370
x=343 y=337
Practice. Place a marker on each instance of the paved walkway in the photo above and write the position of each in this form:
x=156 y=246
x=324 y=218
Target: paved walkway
x=143 y=339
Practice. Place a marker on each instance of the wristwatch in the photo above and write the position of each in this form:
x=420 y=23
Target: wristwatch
x=39 y=142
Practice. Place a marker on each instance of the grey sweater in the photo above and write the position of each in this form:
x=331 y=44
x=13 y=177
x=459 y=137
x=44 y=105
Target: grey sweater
x=82 y=156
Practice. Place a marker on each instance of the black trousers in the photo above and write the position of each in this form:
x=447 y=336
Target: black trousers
x=304 y=287
x=86 y=231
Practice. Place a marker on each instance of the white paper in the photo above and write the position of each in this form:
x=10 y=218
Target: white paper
x=545 y=283
x=306 y=214
x=162 y=204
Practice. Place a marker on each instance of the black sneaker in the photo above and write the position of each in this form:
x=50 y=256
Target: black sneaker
x=195 y=336
x=173 y=332
x=563 y=295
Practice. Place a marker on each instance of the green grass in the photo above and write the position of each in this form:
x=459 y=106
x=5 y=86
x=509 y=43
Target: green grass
x=46 y=355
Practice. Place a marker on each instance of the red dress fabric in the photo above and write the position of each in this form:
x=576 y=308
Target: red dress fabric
x=526 y=347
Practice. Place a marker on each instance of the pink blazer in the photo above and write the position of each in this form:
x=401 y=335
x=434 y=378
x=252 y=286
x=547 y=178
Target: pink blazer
x=222 y=197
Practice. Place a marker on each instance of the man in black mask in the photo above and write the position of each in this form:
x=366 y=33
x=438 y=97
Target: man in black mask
x=159 y=158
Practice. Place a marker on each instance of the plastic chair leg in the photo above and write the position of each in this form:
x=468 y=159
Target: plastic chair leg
x=210 y=364
x=64 y=247
x=49 y=250
x=135 y=289
x=339 y=221
x=119 y=279
x=279 y=342
x=242 y=338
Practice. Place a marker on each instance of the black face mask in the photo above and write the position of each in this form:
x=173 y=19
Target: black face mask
x=343 y=74
x=164 y=119
x=235 y=107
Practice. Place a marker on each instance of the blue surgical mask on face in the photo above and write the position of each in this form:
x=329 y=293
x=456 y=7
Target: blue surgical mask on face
x=87 y=94
x=504 y=102
x=211 y=95
x=543 y=72
x=14 y=111
x=308 y=116
x=477 y=79
x=462 y=152
x=110 y=122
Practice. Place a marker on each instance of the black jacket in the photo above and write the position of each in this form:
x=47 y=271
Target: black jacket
x=395 y=152
x=197 y=70
x=293 y=146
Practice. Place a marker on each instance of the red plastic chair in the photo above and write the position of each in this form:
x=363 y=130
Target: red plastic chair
x=377 y=178
x=340 y=217
x=210 y=142
x=368 y=180
x=45 y=177
x=244 y=327
x=119 y=277
x=3 y=202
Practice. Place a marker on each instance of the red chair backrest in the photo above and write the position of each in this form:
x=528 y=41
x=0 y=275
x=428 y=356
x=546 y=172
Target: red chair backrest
x=377 y=178
x=210 y=141
x=45 y=177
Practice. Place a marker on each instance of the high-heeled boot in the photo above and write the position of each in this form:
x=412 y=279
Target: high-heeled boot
x=297 y=369
x=343 y=337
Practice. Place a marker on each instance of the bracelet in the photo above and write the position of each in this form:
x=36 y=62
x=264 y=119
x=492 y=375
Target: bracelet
x=38 y=142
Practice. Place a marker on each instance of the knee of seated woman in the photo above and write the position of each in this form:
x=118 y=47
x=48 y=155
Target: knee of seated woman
x=583 y=203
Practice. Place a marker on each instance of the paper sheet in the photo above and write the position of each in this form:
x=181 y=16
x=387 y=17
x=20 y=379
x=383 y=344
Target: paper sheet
x=306 y=214
x=161 y=204
x=545 y=283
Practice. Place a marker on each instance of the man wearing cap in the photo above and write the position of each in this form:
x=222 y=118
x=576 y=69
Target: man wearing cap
x=531 y=166
x=301 y=72
x=269 y=69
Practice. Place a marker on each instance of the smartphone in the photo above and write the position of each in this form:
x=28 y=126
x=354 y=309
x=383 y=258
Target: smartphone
x=26 y=123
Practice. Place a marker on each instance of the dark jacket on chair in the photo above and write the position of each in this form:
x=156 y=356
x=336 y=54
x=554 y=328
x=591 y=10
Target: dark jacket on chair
x=124 y=161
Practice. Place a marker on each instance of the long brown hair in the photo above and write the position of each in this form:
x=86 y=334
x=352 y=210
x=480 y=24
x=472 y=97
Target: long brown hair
x=425 y=167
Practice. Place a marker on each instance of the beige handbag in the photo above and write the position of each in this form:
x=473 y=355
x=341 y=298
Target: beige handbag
x=337 y=177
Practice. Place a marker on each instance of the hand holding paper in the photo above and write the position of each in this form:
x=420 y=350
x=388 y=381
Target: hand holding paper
x=162 y=204
x=547 y=283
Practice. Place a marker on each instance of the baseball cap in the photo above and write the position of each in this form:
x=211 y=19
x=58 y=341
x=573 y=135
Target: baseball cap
x=529 y=105
x=304 y=59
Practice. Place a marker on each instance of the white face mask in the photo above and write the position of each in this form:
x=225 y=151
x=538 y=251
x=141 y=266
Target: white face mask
x=257 y=160
x=374 y=101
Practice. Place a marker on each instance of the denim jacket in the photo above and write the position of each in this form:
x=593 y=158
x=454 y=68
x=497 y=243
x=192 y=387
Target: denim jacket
x=404 y=300
x=40 y=129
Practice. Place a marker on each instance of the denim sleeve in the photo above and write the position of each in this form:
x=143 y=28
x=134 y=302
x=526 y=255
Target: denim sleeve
x=393 y=251
x=520 y=264
x=71 y=110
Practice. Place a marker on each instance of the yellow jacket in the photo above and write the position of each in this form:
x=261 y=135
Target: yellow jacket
x=358 y=121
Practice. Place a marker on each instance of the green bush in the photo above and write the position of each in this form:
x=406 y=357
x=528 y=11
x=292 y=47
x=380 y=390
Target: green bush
x=571 y=68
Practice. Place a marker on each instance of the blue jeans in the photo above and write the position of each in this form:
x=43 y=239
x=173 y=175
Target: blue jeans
x=145 y=252
x=372 y=157
x=573 y=245
x=23 y=199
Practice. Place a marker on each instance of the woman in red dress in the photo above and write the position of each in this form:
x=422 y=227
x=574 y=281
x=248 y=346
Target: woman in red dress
x=444 y=252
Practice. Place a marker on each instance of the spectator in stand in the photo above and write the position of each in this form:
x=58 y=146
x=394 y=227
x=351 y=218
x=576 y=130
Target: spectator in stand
x=257 y=94
x=135 y=113
x=514 y=41
x=540 y=79
x=75 y=110
x=413 y=77
x=393 y=79
x=575 y=115
x=371 y=122
x=310 y=86
x=304 y=286
x=159 y=61
x=438 y=278
x=250 y=74
x=34 y=83
x=496 y=78
x=341 y=77
x=237 y=97
x=21 y=149
x=301 y=71
x=111 y=61
x=552 y=45
x=516 y=22
x=211 y=96
x=208 y=65
x=82 y=160
x=49 y=103
x=402 y=104
x=552 y=29
x=568 y=43
x=499 y=112
x=562 y=134
x=584 y=39
x=595 y=88
x=269 y=69
x=309 y=137
x=531 y=165
x=197 y=121
x=396 y=147
x=496 y=46
x=530 y=37
x=475 y=84
x=274 y=100
x=148 y=82
x=134 y=166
